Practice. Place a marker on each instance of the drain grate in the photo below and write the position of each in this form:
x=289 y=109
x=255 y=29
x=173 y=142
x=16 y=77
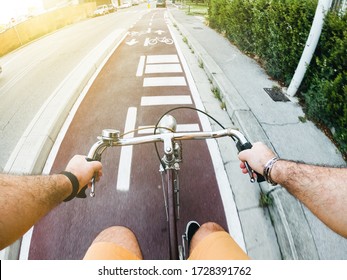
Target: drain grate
x=276 y=94
x=198 y=28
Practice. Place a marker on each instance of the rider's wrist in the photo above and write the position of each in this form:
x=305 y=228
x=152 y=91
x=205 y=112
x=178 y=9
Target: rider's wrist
x=75 y=185
x=267 y=170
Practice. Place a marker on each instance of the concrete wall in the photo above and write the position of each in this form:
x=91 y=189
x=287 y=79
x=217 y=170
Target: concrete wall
x=41 y=25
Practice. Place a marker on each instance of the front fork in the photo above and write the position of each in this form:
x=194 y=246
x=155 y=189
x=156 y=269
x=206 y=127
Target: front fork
x=176 y=189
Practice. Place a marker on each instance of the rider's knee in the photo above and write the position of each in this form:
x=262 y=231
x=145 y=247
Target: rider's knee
x=114 y=233
x=204 y=230
x=210 y=227
x=121 y=236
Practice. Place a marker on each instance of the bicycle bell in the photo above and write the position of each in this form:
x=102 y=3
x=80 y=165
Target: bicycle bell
x=167 y=124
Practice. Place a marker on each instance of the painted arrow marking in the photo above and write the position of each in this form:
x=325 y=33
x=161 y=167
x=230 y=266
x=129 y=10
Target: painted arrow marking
x=159 y=32
x=132 y=42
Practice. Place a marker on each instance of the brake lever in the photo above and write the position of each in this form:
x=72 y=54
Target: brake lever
x=250 y=172
x=246 y=146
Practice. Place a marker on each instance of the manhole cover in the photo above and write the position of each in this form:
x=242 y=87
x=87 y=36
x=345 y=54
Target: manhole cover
x=276 y=94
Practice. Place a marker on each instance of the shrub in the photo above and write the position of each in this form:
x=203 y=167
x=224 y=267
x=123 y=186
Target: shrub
x=325 y=87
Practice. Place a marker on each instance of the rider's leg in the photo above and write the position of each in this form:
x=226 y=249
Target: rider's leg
x=114 y=243
x=211 y=241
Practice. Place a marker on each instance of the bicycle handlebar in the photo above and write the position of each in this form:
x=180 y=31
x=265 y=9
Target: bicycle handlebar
x=111 y=138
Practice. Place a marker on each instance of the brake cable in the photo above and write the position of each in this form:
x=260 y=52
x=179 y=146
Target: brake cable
x=179 y=108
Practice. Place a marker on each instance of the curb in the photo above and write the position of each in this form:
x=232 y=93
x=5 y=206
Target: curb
x=295 y=239
x=32 y=150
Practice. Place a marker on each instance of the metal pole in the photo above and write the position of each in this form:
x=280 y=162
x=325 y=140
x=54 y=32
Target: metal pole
x=19 y=39
x=311 y=44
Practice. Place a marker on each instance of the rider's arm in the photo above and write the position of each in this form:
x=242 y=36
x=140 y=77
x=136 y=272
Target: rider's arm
x=322 y=189
x=26 y=199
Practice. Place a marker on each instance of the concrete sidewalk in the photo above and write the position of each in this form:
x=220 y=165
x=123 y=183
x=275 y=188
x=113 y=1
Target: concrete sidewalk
x=241 y=82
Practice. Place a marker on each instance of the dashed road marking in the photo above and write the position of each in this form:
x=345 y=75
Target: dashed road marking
x=170 y=58
x=166 y=100
x=126 y=154
x=141 y=66
x=163 y=68
x=164 y=81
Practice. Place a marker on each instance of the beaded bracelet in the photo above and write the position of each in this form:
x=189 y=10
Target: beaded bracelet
x=267 y=170
x=75 y=185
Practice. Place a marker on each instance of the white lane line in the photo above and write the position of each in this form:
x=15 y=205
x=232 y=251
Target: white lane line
x=171 y=58
x=149 y=129
x=163 y=68
x=126 y=154
x=166 y=100
x=141 y=66
x=164 y=81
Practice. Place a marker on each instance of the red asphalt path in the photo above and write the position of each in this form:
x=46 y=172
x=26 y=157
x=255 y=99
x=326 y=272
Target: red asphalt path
x=67 y=231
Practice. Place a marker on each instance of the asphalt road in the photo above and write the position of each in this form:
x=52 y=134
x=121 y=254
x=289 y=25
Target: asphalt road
x=32 y=73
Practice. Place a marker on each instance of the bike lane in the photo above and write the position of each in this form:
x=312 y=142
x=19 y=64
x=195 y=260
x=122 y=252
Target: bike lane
x=142 y=79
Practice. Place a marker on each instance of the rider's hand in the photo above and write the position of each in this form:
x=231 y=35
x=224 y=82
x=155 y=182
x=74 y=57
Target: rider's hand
x=256 y=157
x=84 y=170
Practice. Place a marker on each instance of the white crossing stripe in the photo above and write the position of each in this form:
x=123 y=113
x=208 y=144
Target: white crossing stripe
x=126 y=154
x=163 y=68
x=166 y=100
x=149 y=129
x=171 y=58
x=164 y=81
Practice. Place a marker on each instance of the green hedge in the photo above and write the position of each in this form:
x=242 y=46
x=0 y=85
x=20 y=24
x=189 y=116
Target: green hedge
x=276 y=31
x=325 y=91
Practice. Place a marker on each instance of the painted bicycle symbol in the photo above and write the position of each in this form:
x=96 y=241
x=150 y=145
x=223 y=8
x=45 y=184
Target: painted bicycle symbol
x=157 y=40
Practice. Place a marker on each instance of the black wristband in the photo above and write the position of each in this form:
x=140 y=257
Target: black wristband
x=75 y=185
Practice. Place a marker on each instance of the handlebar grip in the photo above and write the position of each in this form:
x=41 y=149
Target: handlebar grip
x=82 y=193
x=247 y=146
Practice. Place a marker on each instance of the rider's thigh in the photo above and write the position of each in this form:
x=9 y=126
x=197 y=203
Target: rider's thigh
x=212 y=242
x=115 y=243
